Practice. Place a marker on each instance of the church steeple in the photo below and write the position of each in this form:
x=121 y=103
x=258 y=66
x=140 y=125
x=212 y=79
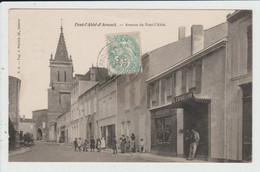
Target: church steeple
x=61 y=51
x=61 y=66
x=61 y=28
x=61 y=78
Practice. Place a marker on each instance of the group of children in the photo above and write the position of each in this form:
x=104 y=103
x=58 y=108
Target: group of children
x=78 y=144
x=126 y=144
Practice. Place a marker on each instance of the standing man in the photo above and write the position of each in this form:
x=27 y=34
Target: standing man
x=75 y=144
x=98 y=144
x=80 y=144
x=92 y=144
x=128 y=143
x=123 y=144
x=133 y=142
x=187 y=135
x=194 y=142
x=85 y=145
x=141 y=145
x=114 y=145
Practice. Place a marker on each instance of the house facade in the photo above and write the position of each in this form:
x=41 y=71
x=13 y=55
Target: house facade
x=132 y=115
x=63 y=128
x=239 y=81
x=84 y=101
x=107 y=110
x=80 y=85
x=88 y=109
x=189 y=93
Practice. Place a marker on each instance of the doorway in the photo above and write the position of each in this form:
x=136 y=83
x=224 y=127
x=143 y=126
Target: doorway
x=110 y=135
x=39 y=134
x=62 y=136
x=247 y=121
x=196 y=117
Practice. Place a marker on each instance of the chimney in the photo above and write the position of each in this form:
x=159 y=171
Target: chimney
x=23 y=117
x=92 y=74
x=181 y=32
x=197 y=38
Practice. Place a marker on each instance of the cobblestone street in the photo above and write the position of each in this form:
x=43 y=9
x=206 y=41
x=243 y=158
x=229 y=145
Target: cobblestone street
x=53 y=152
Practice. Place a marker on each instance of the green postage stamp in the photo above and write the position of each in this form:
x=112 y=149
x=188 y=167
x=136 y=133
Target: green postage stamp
x=124 y=53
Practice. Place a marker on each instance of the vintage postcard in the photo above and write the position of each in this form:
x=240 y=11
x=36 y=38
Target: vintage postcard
x=130 y=85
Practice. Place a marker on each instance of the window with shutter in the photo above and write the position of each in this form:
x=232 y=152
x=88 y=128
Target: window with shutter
x=168 y=89
x=58 y=76
x=137 y=96
x=184 y=80
x=198 y=76
x=163 y=92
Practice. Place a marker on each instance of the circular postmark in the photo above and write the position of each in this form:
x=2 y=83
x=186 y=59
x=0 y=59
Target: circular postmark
x=102 y=60
x=103 y=64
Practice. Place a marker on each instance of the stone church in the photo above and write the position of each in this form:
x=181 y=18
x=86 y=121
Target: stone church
x=61 y=77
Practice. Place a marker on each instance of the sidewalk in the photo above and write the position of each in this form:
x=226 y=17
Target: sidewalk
x=146 y=156
x=19 y=151
x=153 y=157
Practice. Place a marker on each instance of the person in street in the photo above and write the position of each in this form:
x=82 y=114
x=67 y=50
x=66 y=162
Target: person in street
x=85 y=145
x=187 y=136
x=114 y=145
x=128 y=142
x=194 y=142
x=132 y=142
x=92 y=144
x=98 y=144
x=141 y=145
x=80 y=144
x=123 y=144
x=103 y=143
x=120 y=144
x=60 y=140
x=76 y=144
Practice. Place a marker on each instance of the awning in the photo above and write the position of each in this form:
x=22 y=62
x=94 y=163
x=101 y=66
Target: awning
x=188 y=98
x=183 y=100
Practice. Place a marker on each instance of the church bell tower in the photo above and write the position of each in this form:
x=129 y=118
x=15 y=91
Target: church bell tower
x=61 y=77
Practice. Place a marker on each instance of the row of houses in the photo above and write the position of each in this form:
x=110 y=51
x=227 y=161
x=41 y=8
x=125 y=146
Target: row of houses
x=202 y=81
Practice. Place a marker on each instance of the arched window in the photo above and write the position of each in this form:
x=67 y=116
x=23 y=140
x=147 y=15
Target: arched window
x=58 y=76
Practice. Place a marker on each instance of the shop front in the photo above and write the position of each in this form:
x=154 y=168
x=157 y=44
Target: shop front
x=164 y=131
x=195 y=116
x=108 y=132
x=172 y=124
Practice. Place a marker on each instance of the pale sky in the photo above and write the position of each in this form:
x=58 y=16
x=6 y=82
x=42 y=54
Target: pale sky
x=40 y=31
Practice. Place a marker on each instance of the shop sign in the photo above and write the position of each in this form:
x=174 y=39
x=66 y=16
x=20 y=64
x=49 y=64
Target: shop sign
x=182 y=97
